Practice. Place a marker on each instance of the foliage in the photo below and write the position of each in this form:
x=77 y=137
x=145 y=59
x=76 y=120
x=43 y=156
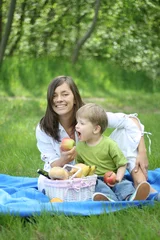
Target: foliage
x=127 y=32
x=131 y=35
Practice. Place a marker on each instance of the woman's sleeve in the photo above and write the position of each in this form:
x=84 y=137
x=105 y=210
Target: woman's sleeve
x=47 y=146
x=121 y=120
x=127 y=134
x=117 y=155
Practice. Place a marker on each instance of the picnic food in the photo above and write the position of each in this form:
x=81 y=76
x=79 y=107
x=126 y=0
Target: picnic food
x=55 y=199
x=58 y=173
x=110 y=178
x=84 y=170
x=92 y=170
x=67 y=144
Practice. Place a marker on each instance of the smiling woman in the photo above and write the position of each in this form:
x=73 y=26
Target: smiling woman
x=58 y=123
x=63 y=106
x=63 y=101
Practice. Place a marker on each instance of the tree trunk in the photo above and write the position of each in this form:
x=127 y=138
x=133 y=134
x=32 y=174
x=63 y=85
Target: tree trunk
x=1 y=19
x=81 y=42
x=20 y=29
x=7 y=30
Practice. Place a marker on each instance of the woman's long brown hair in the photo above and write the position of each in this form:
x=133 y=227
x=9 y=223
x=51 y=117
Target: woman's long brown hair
x=50 y=122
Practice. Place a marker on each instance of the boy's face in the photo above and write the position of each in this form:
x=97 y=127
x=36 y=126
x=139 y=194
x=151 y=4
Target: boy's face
x=85 y=129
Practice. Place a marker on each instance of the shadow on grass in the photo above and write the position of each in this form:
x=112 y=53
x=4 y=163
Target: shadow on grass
x=94 y=77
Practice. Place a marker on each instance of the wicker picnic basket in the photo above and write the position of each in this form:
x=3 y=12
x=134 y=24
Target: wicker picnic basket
x=75 y=189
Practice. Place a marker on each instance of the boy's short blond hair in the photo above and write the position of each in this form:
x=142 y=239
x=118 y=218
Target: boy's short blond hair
x=95 y=114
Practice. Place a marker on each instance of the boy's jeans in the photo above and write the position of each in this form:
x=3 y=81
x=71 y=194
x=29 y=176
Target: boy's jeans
x=119 y=192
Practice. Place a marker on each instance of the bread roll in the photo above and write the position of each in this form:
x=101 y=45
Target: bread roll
x=58 y=173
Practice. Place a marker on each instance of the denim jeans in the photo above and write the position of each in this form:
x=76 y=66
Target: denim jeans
x=119 y=192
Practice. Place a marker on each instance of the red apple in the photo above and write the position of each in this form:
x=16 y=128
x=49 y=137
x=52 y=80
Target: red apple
x=110 y=178
x=67 y=144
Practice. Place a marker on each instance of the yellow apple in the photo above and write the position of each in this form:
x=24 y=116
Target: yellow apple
x=67 y=144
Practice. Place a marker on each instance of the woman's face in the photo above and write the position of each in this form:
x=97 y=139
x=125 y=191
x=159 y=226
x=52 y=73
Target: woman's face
x=63 y=100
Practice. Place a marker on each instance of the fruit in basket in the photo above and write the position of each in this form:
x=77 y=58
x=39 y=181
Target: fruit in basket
x=58 y=173
x=110 y=178
x=92 y=170
x=67 y=144
x=56 y=200
x=84 y=170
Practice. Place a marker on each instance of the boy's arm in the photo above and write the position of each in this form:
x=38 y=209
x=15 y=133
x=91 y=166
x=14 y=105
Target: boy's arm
x=120 y=173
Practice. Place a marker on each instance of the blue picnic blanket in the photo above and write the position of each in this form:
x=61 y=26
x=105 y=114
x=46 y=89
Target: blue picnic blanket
x=19 y=196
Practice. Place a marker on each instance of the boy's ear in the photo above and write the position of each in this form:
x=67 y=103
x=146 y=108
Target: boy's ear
x=97 y=129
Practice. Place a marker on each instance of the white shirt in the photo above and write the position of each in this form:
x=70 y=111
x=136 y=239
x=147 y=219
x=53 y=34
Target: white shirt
x=126 y=134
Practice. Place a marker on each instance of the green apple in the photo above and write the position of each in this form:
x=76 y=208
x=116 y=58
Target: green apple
x=67 y=144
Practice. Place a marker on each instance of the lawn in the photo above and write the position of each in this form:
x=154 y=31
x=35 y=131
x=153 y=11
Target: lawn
x=20 y=157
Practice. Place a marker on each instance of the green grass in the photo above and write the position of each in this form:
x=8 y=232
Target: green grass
x=118 y=225
x=19 y=117
x=19 y=156
x=29 y=77
x=23 y=85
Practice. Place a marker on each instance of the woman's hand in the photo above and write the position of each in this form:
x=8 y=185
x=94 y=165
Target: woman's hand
x=66 y=157
x=142 y=159
x=142 y=162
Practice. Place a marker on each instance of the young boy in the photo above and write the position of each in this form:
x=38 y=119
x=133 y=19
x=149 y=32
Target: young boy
x=94 y=148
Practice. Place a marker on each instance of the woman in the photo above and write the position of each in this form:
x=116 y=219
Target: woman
x=59 y=122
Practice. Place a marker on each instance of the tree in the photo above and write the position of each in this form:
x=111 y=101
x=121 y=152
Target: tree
x=82 y=41
x=127 y=32
x=20 y=28
x=7 y=30
x=0 y=19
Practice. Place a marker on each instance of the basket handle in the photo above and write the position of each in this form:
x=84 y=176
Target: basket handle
x=71 y=166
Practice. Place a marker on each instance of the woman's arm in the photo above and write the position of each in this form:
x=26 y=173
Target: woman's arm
x=65 y=158
x=142 y=159
x=50 y=151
